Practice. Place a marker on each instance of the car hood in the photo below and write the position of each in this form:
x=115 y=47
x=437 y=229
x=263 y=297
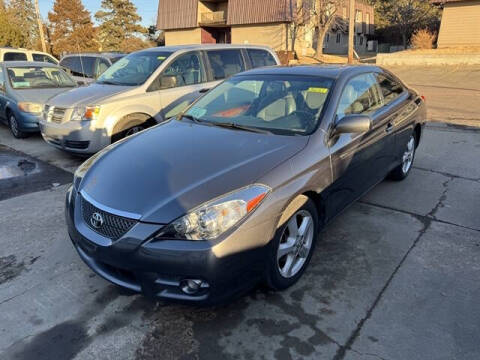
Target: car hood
x=87 y=95
x=164 y=172
x=40 y=96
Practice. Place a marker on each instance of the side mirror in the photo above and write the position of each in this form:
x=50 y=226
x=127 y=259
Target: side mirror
x=353 y=124
x=168 y=81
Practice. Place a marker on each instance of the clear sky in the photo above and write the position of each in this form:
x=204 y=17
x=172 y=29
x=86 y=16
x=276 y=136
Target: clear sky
x=147 y=9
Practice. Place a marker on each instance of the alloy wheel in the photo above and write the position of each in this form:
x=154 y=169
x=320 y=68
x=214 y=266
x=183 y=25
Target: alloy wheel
x=14 y=126
x=408 y=155
x=295 y=244
x=133 y=130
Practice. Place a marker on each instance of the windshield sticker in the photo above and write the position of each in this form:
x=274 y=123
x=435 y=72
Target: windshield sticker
x=318 y=90
x=21 y=84
x=197 y=111
x=161 y=57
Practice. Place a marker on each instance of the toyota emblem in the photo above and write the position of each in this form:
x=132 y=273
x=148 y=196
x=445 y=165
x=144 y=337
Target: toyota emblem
x=96 y=220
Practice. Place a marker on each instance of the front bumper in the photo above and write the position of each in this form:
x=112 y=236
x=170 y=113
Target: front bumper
x=159 y=268
x=81 y=137
x=28 y=122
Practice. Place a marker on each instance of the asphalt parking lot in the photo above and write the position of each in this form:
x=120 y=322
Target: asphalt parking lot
x=394 y=277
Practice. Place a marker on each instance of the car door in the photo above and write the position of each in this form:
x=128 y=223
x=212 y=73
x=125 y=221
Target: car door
x=358 y=160
x=400 y=107
x=180 y=83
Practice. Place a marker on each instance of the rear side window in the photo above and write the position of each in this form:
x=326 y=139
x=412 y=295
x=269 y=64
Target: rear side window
x=80 y=65
x=390 y=88
x=260 y=58
x=43 y=58
x=15 y=56
x=101 y=67
x=225 y=63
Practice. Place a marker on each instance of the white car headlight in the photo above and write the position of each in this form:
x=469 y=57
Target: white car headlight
x=85 y=113
x=28 y=107
x=213 y=218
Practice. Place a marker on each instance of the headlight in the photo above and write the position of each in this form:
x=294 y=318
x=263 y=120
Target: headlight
x=85 y=113
x=213 y=218
x=28 y=107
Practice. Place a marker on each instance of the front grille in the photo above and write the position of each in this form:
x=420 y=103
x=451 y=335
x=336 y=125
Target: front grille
x=58 y=114
x=113 y=227
x=80 y=145
x=54 y=114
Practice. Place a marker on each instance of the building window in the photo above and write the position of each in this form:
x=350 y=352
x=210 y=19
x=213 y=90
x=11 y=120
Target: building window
x=327 y=38
x=339 y=37
x=361 y=40
x=354 y=39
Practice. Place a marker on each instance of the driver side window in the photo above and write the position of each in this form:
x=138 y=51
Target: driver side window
x=184 y=71
x=360 y=96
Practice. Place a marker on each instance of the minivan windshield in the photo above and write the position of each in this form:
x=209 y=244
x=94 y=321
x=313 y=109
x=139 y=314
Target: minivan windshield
x=133 y=69
x=36 y=77
x=287 y=104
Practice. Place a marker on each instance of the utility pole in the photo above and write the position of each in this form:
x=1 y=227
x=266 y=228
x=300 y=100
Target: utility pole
x=40 y=27
x=351 y=31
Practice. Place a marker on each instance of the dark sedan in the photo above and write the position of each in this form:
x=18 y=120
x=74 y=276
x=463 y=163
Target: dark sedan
x=235 y=190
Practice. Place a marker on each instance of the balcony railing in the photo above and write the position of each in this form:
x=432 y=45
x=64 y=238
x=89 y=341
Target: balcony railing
x=212 y=18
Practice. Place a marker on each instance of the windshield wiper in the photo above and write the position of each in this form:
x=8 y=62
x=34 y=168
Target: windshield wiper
x=240 y=127
x=106 y=82
x=193 y=118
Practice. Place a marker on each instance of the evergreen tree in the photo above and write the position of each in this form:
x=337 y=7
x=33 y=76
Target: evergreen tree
x=71 y=28
x=22 y=14
x=401 y=18
x=10 y=34
x=119 y=22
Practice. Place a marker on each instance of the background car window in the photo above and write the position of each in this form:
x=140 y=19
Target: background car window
x=261 y=58
x=15 y=56
x=360 y=96
x=2 y=81
x=39 y=77
x=80 y=65
x=101 y=66
x=185 y=70
x=43 y=58
x=133 y=69
x=225 y=63
x=390 y=88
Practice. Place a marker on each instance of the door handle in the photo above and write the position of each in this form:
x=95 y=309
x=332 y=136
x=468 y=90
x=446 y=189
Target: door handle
x=389 y=128
x=204 y=90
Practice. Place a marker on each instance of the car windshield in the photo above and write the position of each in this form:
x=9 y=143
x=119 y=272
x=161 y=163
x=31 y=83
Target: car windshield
x=36 y=77
x=286 y=105
x=133 y=69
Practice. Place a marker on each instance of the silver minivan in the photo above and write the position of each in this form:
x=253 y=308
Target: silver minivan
x=141 y=90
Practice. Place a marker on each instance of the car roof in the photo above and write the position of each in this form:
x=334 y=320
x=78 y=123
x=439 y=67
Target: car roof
x=174 y=48
x=99 y=54
x=28 y=63
x=328 y=71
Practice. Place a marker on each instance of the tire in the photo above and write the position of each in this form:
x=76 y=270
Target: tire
x=13 y=125
x=278 y=277
x=401 y=171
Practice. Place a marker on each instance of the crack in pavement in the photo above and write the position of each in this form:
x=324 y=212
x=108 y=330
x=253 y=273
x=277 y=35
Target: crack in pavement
x=426 y=221
x=447 y=174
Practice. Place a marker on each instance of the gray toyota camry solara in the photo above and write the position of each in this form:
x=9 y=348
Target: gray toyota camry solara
x=235 y=190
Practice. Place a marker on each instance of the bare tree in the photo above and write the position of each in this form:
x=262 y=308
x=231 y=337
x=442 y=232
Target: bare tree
x=319 y=16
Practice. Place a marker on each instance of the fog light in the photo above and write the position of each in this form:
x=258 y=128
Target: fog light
x=193 y=286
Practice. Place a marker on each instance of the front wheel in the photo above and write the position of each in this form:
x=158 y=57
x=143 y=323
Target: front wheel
x=402 y=170
x=14 y=128
x=292 y=247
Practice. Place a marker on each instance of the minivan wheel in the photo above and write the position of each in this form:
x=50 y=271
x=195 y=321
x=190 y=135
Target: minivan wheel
x=402 y=170
x=292 y=247
x=13 y=124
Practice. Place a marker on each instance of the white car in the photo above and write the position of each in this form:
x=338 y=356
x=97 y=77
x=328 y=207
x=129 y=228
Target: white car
x=141 y=90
